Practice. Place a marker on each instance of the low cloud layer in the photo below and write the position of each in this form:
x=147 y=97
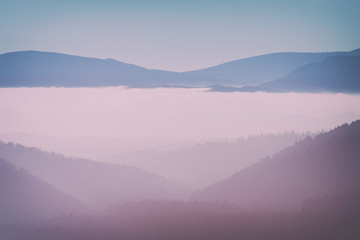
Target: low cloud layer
x=171 y=114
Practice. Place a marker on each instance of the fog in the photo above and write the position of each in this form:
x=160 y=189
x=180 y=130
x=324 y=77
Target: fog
x=177 y=164
x=95 y=122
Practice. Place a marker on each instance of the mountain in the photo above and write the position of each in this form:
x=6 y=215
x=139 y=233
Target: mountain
x=209 y=162
x=327 y=164
x=334 y=74
x=25 y=197
x=99 y=184
x=340 y=73
x=263 y=68
x=46 y=69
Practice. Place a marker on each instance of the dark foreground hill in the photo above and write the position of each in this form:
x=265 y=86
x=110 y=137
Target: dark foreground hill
x=93 y=182
x=26 y=198
x=326 y=164
x=173 y=220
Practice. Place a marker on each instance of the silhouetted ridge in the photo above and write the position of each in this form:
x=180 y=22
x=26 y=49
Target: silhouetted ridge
x=263 y=68
x=45 y=69
x=334 y=74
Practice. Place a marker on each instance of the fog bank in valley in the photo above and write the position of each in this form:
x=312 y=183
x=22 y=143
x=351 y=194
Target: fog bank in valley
x=73 y=121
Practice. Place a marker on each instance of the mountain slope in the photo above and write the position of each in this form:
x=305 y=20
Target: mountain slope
x=25 y=197
x=326 y=164
x=92 y=182
x=45 y=69
x=209 y=162
x=334 y=74
x=263 y=68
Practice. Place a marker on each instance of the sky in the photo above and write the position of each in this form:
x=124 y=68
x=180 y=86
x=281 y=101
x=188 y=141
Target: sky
x=178 y=35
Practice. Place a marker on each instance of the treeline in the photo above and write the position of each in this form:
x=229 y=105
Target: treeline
x=208 y=162
x=95 y=183
x=197 y=220
x=326 y=164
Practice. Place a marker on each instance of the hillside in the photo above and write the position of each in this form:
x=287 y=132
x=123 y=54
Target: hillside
x=323 y=165
x=209 y=162
x=93 y=182
x=45 y=69
x=25 y=197
x=334 y=74
x=263 y=68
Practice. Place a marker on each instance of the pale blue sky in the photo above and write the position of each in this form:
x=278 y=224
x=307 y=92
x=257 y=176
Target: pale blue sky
x=178 y=35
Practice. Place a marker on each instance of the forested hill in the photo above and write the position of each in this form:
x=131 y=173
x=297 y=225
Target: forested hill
x=93 y=182
x=326 y=164
x=27 y=198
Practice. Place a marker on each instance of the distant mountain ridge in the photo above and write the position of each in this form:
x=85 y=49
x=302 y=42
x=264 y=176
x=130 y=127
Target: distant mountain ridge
x=338 y=73
x=276 y=72
x=334 y=74
x=47 y=69
x=259 y=69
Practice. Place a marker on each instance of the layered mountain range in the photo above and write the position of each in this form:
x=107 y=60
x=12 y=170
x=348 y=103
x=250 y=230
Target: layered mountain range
x=277 y=72
x=36 y=184
x=94 y=183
